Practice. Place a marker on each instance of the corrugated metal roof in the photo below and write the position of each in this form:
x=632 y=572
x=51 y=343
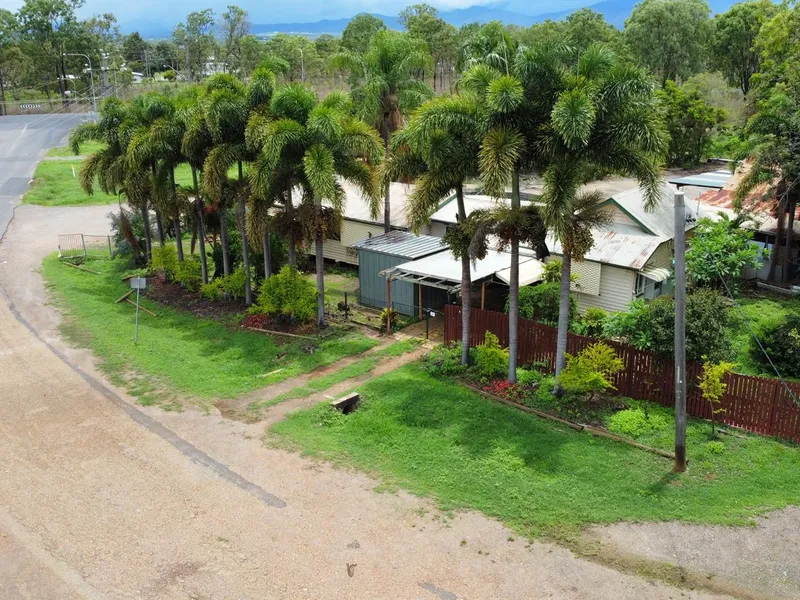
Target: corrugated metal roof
x=712 y=179
x=629 y=250
x=448 y=211
x=402 y=244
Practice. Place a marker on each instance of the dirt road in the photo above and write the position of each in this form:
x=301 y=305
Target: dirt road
x=103 y=499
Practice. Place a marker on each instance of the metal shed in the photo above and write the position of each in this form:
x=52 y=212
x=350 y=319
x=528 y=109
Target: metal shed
x=376 y=254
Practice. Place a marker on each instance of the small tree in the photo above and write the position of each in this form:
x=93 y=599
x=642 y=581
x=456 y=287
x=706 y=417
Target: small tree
x=591 y=370
x=288 y=295
x=719 y=252
x=713 y=387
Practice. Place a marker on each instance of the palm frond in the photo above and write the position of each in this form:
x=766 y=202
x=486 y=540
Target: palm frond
x=499 y=154
x=318 y=165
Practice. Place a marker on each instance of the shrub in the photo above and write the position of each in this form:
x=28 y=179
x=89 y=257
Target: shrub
x=529 y=377
x=715 y=447
x=491 y=360
x=386 y=315
x=591 y=323
x=781 y=340
x=213 y=290
x=635 y=422
x=189 y=273
x=713 y=387
x=552 y=272
x=510 y=391
x=227 y=286
x=165 y=260
x=445 y=360
x=651 y=325
x=289 y=295
x=591 y=370
x=540 y=303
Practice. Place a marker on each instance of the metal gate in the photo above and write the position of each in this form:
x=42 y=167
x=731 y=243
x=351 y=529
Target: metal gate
x=80 y=245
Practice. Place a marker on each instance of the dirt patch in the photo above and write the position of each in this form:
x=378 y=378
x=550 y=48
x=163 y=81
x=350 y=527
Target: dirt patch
x=173 y=295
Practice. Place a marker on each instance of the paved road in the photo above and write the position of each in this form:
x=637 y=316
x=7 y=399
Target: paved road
x=23 y=141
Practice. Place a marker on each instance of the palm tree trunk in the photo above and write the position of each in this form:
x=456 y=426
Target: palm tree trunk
x=176 y=220
x=289 y=207
x=787 y=255
x=513 y=290
x=242 y=218
x=320 y=263
x=160 y=228
x=223 y=236
x=387 y=206
x=773 y=259
x=466 y=284
x=201 y=234
x=265 y=244
x=563 y=313
x=148 y=238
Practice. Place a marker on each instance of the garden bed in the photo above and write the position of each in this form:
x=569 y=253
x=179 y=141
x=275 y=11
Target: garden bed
x=176 y=296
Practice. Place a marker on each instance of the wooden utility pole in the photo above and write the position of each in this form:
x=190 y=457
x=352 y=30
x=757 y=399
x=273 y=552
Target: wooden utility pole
x=680 y=334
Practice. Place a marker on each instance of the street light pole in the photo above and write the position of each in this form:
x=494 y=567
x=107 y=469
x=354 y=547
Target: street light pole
x=91 y=76
x=680 y=334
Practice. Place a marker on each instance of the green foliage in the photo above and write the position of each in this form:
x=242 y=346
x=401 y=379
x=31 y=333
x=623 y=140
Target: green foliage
x=360 y=31
x=715 y=447
x=651 y=325
x=288 y=295
x=165 y=260
x=713 y=387
x=591 y=323
x=690 y=121
x=683 y=27
x=591 y=370
x=491 y=359
x=389 y=315
x=727 y=143
x=445 y=361
x=719 y=252
x=188 y=273
x=540 y=303
x=636 y=422
x=781 y=340
x=226 y=286
x=213 y=290
x=529 y=377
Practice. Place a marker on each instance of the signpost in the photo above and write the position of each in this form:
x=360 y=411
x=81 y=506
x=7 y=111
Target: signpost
x=137 y=283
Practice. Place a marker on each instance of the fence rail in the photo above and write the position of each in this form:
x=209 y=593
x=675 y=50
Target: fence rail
x=758 y=404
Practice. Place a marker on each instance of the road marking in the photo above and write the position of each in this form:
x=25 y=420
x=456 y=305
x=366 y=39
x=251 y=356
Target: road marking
x=437 y=591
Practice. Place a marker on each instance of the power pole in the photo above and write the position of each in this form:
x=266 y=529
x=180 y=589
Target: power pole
x=104 y=68
x=680 y=334
x=188 y=63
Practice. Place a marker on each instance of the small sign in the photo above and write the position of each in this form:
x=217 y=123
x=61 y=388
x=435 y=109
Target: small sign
x=138 y=283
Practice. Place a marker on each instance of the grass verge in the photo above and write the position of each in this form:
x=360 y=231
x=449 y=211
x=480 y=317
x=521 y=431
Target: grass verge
x=86 y=149
x=435 y=438
x=759 y=309
x=177 y=352
x=356 y=369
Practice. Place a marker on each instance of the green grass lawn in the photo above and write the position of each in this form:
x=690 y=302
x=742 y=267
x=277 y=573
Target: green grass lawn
x=759 y=307
x=178 y=354
x=86 y=149
x=436 y=438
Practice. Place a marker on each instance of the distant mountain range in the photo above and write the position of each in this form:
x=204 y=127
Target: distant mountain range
x=508 y=11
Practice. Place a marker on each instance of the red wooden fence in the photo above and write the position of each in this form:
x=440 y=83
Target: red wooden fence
x=757 y=404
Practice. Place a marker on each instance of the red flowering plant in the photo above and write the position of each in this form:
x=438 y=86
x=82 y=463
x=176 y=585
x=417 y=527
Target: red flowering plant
x=513 y=392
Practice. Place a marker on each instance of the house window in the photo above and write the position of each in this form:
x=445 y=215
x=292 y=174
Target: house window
x=647 y=288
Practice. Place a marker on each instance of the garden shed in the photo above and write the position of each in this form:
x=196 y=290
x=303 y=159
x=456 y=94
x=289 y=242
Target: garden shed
x=379 y=253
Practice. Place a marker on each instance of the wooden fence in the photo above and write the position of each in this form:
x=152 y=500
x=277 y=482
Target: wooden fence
x=758 y=404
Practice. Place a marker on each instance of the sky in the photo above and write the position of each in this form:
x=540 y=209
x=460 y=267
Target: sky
x=281 y=11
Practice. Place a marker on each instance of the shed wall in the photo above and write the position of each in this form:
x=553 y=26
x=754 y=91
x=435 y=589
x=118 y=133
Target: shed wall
x=373 y=286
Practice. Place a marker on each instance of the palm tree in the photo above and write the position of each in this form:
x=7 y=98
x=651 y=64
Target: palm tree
x=493 y=45
x=439 y=149
x=604 y=118
x=314 y=145
x=389 y=87
x=108 y=166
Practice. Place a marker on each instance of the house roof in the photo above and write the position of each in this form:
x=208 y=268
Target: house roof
x=402 y=244
x=448 y=210
x=357 y=209
x=713 y=179
x=660 y=221
x=630 y=250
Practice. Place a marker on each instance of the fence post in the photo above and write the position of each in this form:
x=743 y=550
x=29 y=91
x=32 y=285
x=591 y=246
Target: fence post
x=83 y=243
x=110 y=252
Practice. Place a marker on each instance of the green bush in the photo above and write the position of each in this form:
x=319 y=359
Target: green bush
x=651 y=325
x=540 y=303
x=715 y=447
x=635 y=423
x=591 y=370
x=227 y=286
x=445 y=360
x=781 y=340
x=189 y=273
x=213 y=290
x=529 y=377
x=165 y=260
x=491 y=359
x=591 y=323
x=288 y=295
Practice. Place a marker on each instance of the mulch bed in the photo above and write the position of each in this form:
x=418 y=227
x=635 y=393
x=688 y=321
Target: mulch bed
x=175 y=296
